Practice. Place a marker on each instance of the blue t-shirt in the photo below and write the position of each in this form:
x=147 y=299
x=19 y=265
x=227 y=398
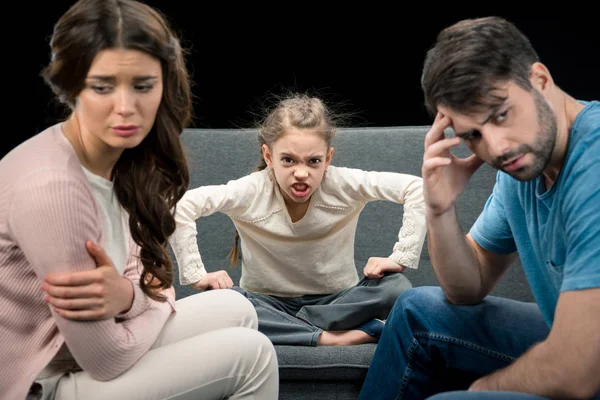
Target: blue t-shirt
x=556 y=232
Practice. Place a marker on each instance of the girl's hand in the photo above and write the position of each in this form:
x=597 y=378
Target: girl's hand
x=377 y=266
x=214 y=280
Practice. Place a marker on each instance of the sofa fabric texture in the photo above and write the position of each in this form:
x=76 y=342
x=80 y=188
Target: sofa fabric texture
x=218 y=155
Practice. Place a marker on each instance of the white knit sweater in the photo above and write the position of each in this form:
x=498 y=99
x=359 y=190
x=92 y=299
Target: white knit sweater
x=314 y=255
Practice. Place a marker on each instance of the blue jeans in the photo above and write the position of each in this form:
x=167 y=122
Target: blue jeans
x=430 y=346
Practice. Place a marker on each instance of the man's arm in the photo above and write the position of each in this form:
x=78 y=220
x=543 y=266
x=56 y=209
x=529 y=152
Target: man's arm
x=466 y=271
x=567 y=363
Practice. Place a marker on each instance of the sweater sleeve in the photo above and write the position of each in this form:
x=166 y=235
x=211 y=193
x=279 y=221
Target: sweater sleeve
x=400 y=188
x=232 y=198
x=52 y=214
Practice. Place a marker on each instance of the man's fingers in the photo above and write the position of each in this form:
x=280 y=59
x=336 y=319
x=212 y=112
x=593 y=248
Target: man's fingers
x=436 y=132
x=441 y=146
x=433 y=163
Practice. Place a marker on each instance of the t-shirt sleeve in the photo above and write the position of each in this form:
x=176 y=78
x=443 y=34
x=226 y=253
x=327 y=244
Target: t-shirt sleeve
x=581 y=218
x=51 y=216
x=491 y=230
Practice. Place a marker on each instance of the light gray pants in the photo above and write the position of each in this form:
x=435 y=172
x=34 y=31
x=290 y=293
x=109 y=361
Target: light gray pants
x=209 y=349
x=300 y=320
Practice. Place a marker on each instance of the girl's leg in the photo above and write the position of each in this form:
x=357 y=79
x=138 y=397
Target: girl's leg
x=370 y=298
x=209 y=349
x=276 y=320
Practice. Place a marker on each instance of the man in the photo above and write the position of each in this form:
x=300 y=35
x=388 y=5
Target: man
x=484 y=80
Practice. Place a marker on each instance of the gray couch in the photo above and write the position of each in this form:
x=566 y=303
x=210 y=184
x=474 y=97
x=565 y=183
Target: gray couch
x=216 y=156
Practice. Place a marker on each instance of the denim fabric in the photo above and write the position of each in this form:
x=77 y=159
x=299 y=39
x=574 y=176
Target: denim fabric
x=299 y=321
x=459 y=394
x=429 y=346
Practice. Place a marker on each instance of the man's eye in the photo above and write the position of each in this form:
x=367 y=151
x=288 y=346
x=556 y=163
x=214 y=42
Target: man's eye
x=501 y=117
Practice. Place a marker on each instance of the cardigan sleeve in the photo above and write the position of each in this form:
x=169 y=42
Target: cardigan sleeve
x=52 y=214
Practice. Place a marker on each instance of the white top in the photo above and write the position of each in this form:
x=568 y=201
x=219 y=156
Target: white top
x=314 y=255
x=114 y=220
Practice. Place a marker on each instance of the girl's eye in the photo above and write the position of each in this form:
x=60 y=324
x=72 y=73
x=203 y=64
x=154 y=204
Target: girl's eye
x=287 y=160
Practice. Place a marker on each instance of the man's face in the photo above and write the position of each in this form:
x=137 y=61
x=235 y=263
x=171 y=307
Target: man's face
x=517 y=137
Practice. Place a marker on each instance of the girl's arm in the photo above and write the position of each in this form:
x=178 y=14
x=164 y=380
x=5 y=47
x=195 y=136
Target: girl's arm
x=232 y=198
x=400 y=188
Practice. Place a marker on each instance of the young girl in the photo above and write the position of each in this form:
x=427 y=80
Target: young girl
x=296 y=218
x=88 y=310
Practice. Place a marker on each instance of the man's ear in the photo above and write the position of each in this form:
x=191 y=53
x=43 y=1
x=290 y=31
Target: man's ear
x=267 y=156
x=540 y=77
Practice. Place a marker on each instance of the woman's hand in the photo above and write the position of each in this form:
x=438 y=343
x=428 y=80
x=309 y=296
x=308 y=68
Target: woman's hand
x=96 y=294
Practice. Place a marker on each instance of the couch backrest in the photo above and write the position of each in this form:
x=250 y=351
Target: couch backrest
x=218 y=155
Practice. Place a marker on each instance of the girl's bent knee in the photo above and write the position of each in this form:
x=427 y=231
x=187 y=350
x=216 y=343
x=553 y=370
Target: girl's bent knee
x=396 y=285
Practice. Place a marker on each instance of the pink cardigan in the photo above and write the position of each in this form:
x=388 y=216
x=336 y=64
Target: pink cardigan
x=47 y=211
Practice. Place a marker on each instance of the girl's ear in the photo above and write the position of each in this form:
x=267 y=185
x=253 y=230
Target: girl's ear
x=329 y=156
x=267 y=156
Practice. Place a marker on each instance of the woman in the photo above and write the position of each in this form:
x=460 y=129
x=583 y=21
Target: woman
x=86 y=208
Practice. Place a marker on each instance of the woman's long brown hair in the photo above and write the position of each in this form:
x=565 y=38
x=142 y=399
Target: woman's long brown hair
x=151 y=178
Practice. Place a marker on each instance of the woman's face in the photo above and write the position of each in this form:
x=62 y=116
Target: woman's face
x=118 y=105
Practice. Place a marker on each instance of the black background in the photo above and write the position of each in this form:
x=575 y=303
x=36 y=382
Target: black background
x=364 y=59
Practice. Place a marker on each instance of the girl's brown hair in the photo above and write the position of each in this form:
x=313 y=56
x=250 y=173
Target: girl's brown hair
x=299 y=111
